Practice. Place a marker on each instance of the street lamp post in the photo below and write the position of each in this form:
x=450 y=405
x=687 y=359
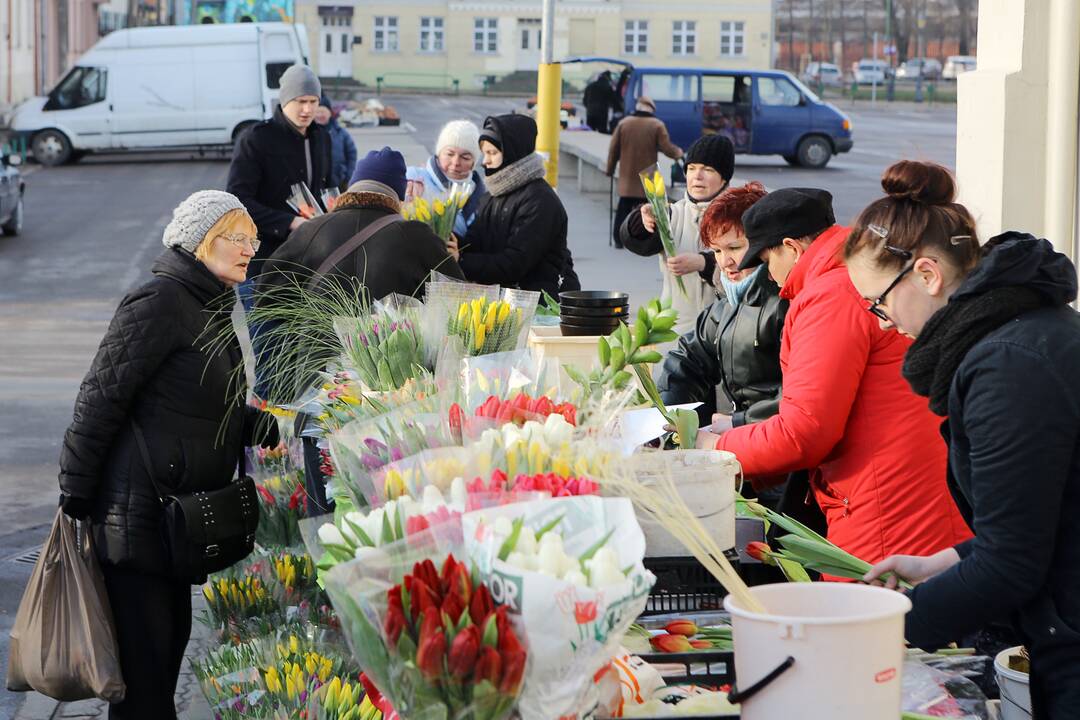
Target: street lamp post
x=548 y=96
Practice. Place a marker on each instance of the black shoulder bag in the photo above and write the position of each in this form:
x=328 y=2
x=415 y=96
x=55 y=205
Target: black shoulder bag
x=206 y=531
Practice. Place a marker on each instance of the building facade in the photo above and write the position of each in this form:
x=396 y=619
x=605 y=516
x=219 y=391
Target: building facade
x=433 y=43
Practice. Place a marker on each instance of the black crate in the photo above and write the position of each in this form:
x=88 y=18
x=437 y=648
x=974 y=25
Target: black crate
x=683 y=585
x=708 y=668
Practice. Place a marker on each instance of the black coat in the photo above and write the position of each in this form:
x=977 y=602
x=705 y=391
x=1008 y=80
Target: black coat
x=267 y=161
x=735 y=348
x=1014 y=468
x=153 y=367
x=397 y=259
x=518 y=240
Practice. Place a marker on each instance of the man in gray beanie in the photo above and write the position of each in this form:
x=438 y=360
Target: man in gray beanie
x=275 y=154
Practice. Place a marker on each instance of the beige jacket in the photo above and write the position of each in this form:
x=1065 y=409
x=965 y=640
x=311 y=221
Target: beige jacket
x=634 y=147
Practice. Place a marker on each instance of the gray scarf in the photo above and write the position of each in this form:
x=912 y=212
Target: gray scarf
x=516 y=174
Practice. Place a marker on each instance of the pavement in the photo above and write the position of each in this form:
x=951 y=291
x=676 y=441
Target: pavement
x=94 y=228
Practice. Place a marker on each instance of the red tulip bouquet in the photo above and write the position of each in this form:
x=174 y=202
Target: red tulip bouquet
x=428 y=634
x=571 y=570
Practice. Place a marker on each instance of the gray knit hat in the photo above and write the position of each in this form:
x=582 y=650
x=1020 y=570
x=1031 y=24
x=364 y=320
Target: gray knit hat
x=298 y=81
x=194 y=217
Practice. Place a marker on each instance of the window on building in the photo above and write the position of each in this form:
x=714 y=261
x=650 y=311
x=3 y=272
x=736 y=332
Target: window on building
x=485 y=35
x=82 y=86
x=732 y=38
x=636 y=37
x=329 y=43
x=345 y=42
x=431 y=34
x=778 y=91
x=683 y=37
x=663 y=87
x=386 y=34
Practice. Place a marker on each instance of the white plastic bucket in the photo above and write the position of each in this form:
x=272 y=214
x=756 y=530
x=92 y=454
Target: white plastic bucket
x=1015 y=687
x=706 y=481
x=847 y=643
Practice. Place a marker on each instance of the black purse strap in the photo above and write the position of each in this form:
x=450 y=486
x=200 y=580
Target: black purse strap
x=144 y=451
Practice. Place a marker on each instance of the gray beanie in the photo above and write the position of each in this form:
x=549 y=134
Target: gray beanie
x=298 y=81
x=194 y=217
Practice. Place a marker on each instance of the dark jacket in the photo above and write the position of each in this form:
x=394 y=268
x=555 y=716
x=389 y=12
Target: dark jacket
x=154 y=367
x=343 y=155
x=518 y=239
x=736 y=348
x=1014 y=467
x=599 y=98
x=397 y=259
x=267 y=161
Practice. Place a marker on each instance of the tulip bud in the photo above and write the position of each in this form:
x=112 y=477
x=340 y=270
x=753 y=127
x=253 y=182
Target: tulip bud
x=488 y=666
x=513 y=671
x=761 y=552
x=701 y=644
x=671 y=643
x=682 y=627
x=463 y=652
x=430 y=654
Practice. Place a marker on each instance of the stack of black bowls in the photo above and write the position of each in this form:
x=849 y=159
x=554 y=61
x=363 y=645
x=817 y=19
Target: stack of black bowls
x=592 y=312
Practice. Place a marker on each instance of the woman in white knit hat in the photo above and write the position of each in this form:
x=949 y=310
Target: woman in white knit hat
x=457 y=152
x=161 y=413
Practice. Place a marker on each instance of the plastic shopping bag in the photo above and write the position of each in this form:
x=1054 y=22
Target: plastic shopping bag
x=63 y=643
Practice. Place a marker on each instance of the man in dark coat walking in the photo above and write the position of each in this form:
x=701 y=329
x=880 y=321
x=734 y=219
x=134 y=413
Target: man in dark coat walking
x=276 y=154
x=599 y=99
x=397 y=258
x=634 y=147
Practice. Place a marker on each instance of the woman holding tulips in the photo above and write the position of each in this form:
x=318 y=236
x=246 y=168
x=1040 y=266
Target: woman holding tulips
x=996 y=352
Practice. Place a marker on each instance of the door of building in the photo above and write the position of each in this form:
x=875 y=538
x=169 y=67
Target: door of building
x=528 y=43
x=335 y=42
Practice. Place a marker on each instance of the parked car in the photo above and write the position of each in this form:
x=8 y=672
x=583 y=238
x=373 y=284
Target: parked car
x=823 y=73
x=764 y=112
x=927 y=68
x=868 y=71
x=162 y=88
x=957 y=65
x=12 y=189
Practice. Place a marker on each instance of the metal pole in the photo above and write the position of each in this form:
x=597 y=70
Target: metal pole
x=873 y=81
x=548 y=96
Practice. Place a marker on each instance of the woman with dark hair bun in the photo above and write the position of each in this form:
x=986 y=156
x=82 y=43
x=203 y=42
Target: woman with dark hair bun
x=996 y=351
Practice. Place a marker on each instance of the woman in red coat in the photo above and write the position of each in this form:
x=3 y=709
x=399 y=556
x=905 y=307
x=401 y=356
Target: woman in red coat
x=876 y=459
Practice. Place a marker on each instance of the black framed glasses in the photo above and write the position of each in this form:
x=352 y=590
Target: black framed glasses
x=906 y=255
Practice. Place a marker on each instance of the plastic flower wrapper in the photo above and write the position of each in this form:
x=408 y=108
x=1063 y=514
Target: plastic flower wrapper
x=442 y=300
x=426 y=634
x=385 y=348
x=302 y=201
x=929 y=692
x=656 y=193
x=535 y=448
x=571 y=570
x=329 y=198
x=548 y=483
x=495 y=326
x=505 y=375
x=437 y=467
x=279 y=481
x=362 y=447
x=441 y=213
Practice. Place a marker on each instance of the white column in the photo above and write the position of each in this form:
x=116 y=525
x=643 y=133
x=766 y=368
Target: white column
x=1062 y=121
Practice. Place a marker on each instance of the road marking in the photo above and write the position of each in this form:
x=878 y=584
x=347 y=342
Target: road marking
x=409 y=126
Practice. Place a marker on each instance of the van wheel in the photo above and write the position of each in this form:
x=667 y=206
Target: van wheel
x=241 y=129
x=51 y=147
x=814 y=152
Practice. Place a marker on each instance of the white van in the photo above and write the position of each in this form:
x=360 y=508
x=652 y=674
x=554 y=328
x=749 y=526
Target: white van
x=162 y=87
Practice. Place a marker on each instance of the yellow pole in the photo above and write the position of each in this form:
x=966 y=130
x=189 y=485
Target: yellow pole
x=548 y=111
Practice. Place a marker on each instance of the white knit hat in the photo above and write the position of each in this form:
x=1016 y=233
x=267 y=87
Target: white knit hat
x=459 y=134
x=194 y=217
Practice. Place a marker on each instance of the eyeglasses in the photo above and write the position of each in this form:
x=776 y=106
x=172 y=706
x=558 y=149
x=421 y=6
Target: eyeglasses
x=242 y=241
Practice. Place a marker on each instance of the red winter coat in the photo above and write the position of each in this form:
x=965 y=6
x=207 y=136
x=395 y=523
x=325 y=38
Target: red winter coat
x=877 y=457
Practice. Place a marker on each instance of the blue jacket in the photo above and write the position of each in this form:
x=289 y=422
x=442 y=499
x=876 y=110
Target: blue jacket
x=436 y=185
x=343 y=154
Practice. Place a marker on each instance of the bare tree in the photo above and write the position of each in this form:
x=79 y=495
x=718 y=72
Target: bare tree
x=964 y=6
x=866 y=28
x=902 y=19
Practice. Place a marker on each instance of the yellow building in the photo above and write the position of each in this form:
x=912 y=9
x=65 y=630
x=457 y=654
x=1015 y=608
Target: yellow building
x=432 y=43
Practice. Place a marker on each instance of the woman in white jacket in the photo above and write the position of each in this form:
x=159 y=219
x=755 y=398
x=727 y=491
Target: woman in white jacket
x=457 y=155
x=710 y=164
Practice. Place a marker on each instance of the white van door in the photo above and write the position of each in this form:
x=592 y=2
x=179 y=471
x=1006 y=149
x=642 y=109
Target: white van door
x=81 y=105
x=278 y=49
x=228 y=90
x=154 y=98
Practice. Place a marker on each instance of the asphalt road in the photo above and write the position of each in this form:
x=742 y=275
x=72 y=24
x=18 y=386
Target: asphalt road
x=93 y=229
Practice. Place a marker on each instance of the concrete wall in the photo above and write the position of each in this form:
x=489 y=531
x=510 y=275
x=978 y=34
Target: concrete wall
x=1017 y=121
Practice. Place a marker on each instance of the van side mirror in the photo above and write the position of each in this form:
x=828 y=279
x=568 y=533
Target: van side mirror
x=802 y=100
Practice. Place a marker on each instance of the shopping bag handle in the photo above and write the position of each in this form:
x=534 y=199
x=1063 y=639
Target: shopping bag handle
x=737 y=697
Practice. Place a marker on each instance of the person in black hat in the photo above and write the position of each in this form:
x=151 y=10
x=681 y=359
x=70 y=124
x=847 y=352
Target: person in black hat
x=710 y=164
x=875 y=458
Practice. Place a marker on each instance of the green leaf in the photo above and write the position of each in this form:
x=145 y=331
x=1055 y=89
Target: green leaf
x=387 y=530
x=511 y=542
x=575 y=374
x=686 y=424
x=596 y=546
x=359 y=532
x=549 y=527
x=792 y=570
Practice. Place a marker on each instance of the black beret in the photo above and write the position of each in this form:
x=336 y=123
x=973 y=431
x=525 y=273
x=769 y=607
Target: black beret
x=784 y=213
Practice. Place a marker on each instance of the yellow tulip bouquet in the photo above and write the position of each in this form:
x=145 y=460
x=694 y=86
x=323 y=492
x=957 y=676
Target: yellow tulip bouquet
x=441 y=213
x=486 y=327
x=656 y=194
x=484 y=319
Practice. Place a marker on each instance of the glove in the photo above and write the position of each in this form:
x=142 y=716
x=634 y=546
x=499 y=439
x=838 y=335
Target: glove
x=76 y=508
x=270 y=438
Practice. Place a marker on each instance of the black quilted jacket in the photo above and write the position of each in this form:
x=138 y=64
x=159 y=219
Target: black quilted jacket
x=153 y=366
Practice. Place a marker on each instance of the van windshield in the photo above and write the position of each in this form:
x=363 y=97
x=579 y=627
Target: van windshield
x=805 y=90
x=82 y=86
